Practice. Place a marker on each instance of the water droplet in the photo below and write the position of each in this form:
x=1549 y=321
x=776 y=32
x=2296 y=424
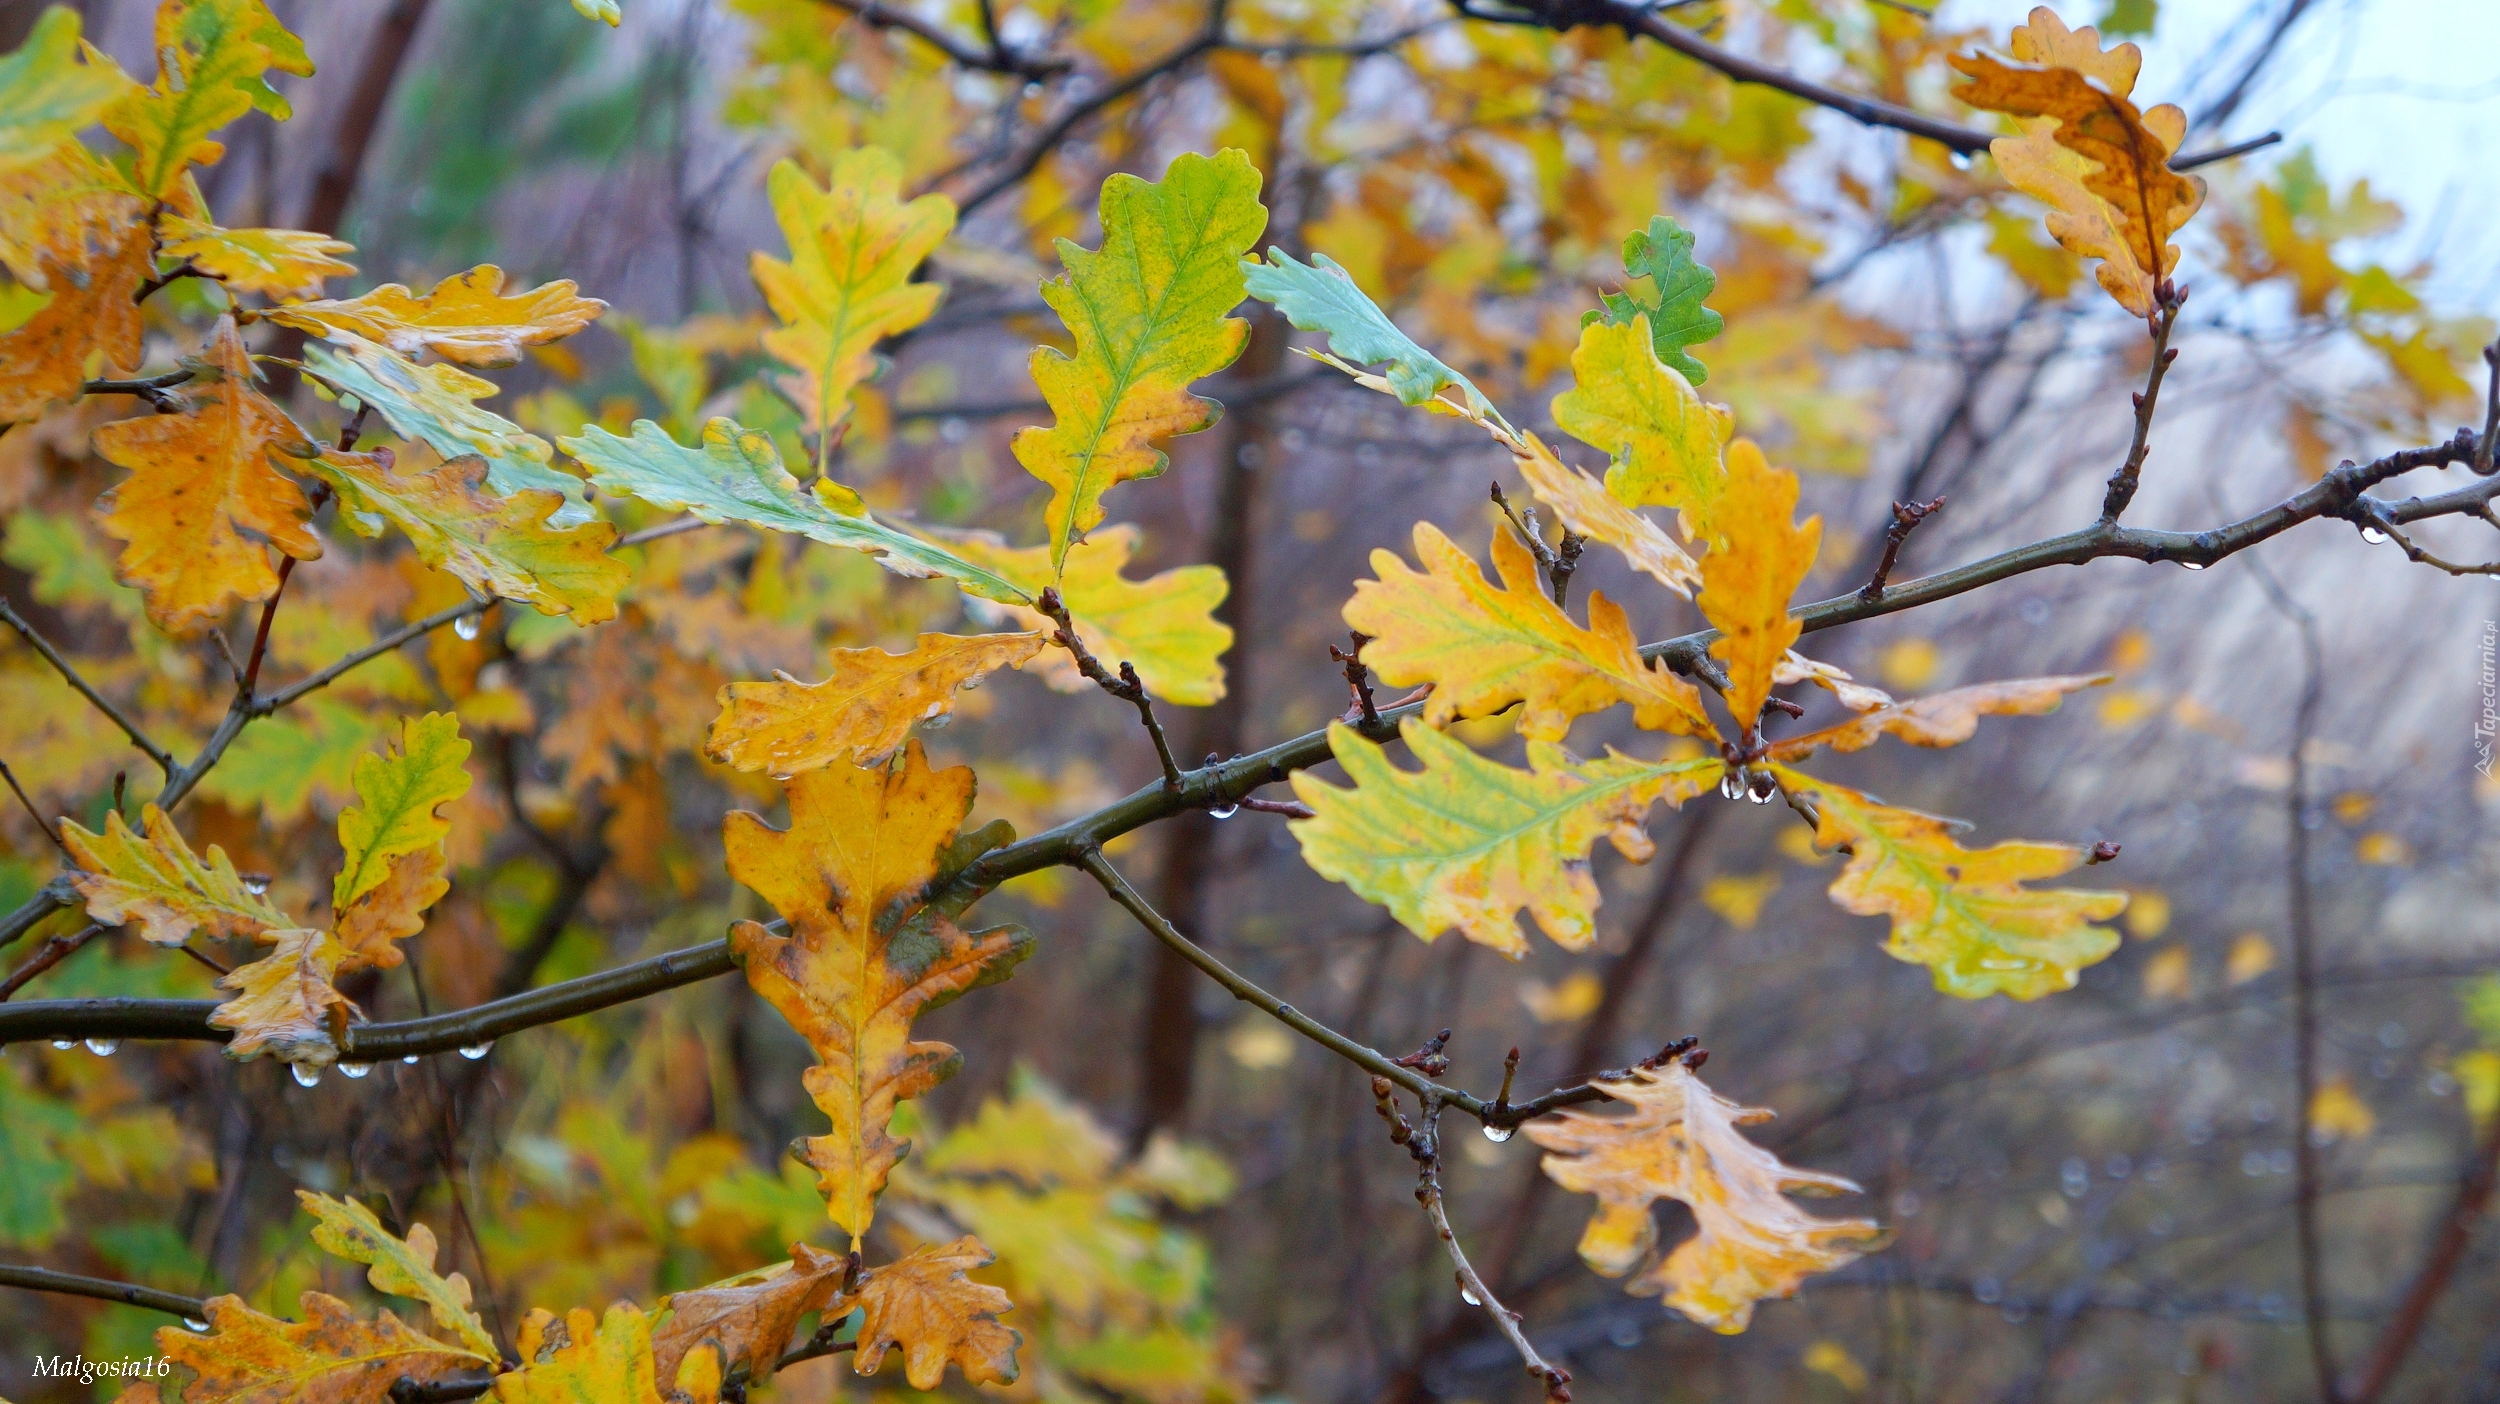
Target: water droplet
x=256 y=883
x=1731 y=785
x=1224 y=811
x=2374 y=536
x=2191 y=565
x=410 y=1060
x=1469 y=1298
x=354 y=1070
x=936 y=723
x=306 y=1075
x=476 y=1051
x=467 y=626
x=1961 y=160
x=1498 y=1134
x=103 y=1047
x=65 y=1044
x=195 y=1325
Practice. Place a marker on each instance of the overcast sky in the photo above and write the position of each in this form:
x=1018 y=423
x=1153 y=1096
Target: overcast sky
x=2406 y=92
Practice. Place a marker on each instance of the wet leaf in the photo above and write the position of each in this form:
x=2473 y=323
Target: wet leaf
x=862 y=959
x=1148 y=314
x=1747 y=580
x=152 y=879
x=1945 y=719
x=594 y=1361
x=401 y=794
x=47 y=94
x=1466 y=842
x=924 y=1304
x=862 y=711
x=1591 y=510
x=271 y=262
x=399 y=1267
x=1669 y=311
x=467 y=317
x=749 y=1317
x=211 y=55
x=1681 y=1141
x=329 y=1357
x=372 y=926
x=436 y=405
x=91 y=315
x=287 y=1002
x=1964 y=913
x=1484 y=647
x=1322 y=297
x=1667 y=444
x=507 y=546
x=1164 y=624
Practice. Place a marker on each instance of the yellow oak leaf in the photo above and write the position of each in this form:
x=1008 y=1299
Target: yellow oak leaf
x=1586 y=507
x=47 y=94
x=91 y=318
x=61 y=211
x=372 y=926
x=1681 y=1141
x=271 y=262
x=400 y=794
x=862 y=711
x=589 y=1361
x=1466 y=842
x=399 y=1267
x=467 y=317
x=156 y=883
x=863 y=958
x=749 y=1318
x=210 y=55
x=1945 y=719
x=1484 y=647
x=1148 y=314
x=923 y=1303
x=329 y=1357
x=1164 y=624
x=1964 y=913
x=1759 y=558
x=203 y=504
x=2100 y=165
x=505 y=545
x=1666 y=442
x=848 y=284
x=287 y=1002
x=1848 y=691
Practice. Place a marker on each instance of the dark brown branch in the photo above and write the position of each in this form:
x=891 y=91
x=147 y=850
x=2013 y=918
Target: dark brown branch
x=157 y=390
x=1905 y=519
x=2484 y=464
x=49 y=898
x=2123 y=483
x=37 y=1279
x=2224 y=153
x=995 y=57
x=1127 y=687
x=1364 y=707
x=1049 y=137
x=158 y=283
x=164 y=759
x=51 y=953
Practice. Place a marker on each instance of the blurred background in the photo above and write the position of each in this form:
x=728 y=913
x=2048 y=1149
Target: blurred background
x=2091 y=1194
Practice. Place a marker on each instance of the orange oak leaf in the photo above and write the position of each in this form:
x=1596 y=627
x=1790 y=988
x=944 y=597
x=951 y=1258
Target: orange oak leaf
x=1680 y=1141
x=468 y=317
x=91 y=317
x=862 y=711
x=287 y=1003
x=203 y=505
x=329 y=1357
x=1945 y=719
x=1746 y=580
x=371 y=926
x=750 y=1317
x=924 y=1304
x=863 y=957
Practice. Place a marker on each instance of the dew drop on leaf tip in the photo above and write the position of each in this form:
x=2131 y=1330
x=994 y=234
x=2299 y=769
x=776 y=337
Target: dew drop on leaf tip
x=306 y=1075
x=257 y=885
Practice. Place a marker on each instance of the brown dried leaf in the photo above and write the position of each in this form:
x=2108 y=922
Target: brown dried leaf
x=925 y=1304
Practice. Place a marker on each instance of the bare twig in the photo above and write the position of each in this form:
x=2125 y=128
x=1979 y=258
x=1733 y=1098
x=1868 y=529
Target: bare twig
x=34 y=813
x=2122 y=484
x=158 y=282
x=1048 y=139
x=37 y=1279
x=157 y=390
x=163 y=758
x=51 y=953
x=1358 y=680
x=994 y=57
x=1126 y=686
x=1905 y=519
x=2484 y=463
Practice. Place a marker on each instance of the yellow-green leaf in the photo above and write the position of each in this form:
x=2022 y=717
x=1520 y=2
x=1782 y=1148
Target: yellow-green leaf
x=400 y=1268
x=862 y=711
x=848 y=284
x=1587 y=508
x=1466 y=842
x=467 y=317
x=1964 y=913
x=1148 y=312
x=1666 y=442
x=589 y=1361
x=158 y=884
x=1165 y=624
x=504 y=546
x=400 y=790
x=1483 y=647
x=436 y=405
x=211 y=55
x=246 y=1357
x=1758 y=558
x=271 y=262
x=47 y=94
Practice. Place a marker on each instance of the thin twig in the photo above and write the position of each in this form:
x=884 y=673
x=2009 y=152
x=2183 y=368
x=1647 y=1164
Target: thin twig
x=1525 y=524
x=271 y=702
x=1127 y=687
x=157 y=390
x=186 y=269
x=1905 y=519
x=2122 y=484
x=38 y=1279
x=53 y=951
x=163 y=758
x=2484 y=462
x=678 y=527
x=35 y=814
x=1364 y=707
x=996 y=57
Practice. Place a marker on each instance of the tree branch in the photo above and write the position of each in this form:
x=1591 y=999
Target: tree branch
x=2122 y=484
x=37 y=1279
x=164 y=759
x=996 y=57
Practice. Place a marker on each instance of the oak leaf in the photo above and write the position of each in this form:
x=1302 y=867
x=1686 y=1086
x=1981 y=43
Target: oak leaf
x=271 y=262
x=1590 y=509
x=92 y=317
x=1669 y=313
x=862 y=711
x=1667 y=444
x=924 y=1303
x=1466 y=842
x=211 y=55
x=1321 y=296
x=329 y=1357
x=152 y=879
x=2100 y=165
x=736 y=476
x=47 y=94
x=1680 y=1141
x=64 y=209
x=1758 y=559
x=751 y=1316
x=401 y=793
x=1964 y=913
x=507 y=546
x=398 y=1267
x=591 y=1361
x=287 y=1002
x=467 y=317
x=863 y=958
x=1484 y=648
x=1164 y=624
x=372 y=926
x=848 y=284
x=436 y=405
x=1148 y=314
x=1944 y=719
